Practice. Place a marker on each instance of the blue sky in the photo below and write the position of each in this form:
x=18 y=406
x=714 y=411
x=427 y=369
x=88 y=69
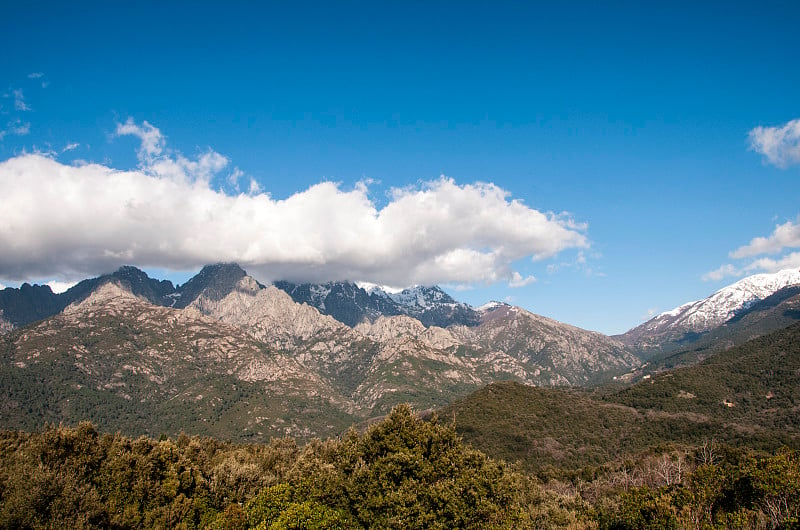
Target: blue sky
x=627 y=132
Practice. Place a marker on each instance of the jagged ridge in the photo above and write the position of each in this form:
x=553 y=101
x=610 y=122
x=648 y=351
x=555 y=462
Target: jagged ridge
x=351 y=303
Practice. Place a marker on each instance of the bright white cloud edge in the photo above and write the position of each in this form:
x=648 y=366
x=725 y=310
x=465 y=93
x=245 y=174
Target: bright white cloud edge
x=71 y=221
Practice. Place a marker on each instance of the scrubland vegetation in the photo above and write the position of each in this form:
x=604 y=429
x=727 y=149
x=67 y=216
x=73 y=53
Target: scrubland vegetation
x=402 y=472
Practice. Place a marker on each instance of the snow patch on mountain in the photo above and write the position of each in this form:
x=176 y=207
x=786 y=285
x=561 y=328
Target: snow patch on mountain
x=489 y=306
x=723 y=305
x=423 y=297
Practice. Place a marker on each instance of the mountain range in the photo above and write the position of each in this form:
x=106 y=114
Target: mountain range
x=246 y=360
x=227 y=356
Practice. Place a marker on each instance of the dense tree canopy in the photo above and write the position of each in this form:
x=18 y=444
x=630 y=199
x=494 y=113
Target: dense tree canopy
x=402 y=472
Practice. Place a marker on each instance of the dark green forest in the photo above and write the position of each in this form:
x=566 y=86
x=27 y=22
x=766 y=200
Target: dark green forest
x=403 y=472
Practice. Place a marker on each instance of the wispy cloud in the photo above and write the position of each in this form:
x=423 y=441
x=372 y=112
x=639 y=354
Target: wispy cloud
x=580 y=264
x=650 y=313
x=155 y=159
x=21 y=129
x=780 y=145
x=19 y=100
x=70 y=221
x=17 y=127
x=152 y=141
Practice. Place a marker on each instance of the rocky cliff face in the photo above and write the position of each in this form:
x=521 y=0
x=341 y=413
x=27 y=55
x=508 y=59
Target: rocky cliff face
x=513 y=341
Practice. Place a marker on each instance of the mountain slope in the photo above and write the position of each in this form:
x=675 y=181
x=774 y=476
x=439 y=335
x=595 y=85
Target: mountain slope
x=758 y=381
x=560 y=353
x=687 y=323
x=129 y=365
x=747 y=395
x=777 y=311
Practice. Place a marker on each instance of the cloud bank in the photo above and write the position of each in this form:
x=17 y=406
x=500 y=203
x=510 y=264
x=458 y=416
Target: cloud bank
x=779 y=145
x=69 y=221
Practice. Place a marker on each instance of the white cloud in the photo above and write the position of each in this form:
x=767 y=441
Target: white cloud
x=59 y=287
x=73 y=221
x=19 y=101
x=784 y=236
x=70 y=147
x=789 y=261
x=724 y=271
x=153 y=142
x=779 y=145
x=35 y=75
x=156 y=160
x=518 y=281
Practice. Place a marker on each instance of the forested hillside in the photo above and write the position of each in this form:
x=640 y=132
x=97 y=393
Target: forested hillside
x=402 y=472
x=746 y=396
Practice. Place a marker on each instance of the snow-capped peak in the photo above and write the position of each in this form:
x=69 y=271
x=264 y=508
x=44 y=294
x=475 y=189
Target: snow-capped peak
x=724 y=304
x=420 y=296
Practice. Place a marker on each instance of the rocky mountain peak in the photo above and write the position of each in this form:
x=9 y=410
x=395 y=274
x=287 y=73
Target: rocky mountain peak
x=109 y=293
x=27 y=304
x=352 y=303
x=214 y=282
